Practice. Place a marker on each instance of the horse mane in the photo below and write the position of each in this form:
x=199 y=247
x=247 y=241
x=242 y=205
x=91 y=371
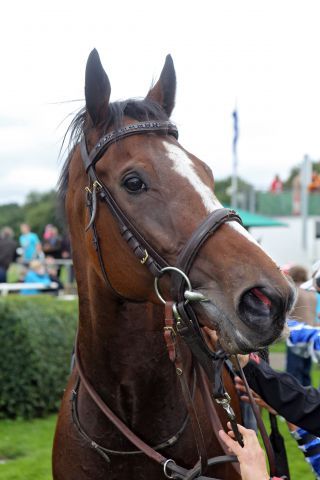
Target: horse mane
x=138 y=109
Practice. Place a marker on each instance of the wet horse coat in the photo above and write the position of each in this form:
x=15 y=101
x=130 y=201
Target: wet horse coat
x=166 y=192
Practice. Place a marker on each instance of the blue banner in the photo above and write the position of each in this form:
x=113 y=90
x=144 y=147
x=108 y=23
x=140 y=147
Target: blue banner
x=235 y=131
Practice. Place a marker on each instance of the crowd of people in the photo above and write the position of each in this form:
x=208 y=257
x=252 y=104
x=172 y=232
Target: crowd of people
x=36 y=257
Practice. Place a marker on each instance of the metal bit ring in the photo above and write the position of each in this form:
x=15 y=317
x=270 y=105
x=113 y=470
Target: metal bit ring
x=167 y=269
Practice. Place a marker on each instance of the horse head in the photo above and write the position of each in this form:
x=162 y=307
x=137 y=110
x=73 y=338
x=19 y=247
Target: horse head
x=166 y=193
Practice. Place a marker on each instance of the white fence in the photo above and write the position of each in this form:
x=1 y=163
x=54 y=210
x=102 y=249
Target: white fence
x=5 y=288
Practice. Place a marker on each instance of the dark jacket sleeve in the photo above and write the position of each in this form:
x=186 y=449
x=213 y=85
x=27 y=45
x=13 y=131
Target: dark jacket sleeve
x=297 y=404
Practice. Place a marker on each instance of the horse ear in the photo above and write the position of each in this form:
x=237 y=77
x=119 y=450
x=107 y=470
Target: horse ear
x=97 y=88
x=164 y=91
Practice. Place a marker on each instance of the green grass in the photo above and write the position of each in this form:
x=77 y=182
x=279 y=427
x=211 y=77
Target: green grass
x=298 y=467
x=279 y=347
x=26 y=446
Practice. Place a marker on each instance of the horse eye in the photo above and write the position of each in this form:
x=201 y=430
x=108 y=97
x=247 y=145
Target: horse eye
x=134 y=184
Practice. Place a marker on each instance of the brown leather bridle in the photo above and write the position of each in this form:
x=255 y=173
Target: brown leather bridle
x=181 y=319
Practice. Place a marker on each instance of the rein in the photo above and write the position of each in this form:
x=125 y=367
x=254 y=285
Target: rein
x=180 y=318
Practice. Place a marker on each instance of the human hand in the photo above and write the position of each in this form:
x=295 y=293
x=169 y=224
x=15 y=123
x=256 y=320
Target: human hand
x=251 y=456
x=242 y=359
x=210 y=337
x=212 y=340
x=244 y=395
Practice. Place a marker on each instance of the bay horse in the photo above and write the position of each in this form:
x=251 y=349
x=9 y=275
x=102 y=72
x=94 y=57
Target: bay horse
x=139 y=207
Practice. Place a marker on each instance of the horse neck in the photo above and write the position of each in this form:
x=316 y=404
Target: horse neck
x=124 y=355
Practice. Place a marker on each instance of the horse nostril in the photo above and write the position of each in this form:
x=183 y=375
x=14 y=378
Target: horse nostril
x=256 y=307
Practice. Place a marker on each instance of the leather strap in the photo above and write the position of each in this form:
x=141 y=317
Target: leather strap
x=176 y=357
x=212 y=411
x=264 y=435
x=138 y=244
x=207 y=228
x=121 y=426
x=163 y=128
x=177 y=472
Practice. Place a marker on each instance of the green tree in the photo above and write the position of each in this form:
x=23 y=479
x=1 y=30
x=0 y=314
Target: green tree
x=222 y=189
x=38 y=210
x=11 y=215
x=41 y=209
x=287 y=184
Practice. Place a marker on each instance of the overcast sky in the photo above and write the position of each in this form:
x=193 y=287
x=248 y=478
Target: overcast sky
x=263 y=56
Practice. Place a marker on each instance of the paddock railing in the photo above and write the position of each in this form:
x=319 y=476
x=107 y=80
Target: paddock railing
x=5 y=288
x=66 y=276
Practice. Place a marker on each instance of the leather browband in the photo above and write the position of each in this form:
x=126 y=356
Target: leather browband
x=164 y=128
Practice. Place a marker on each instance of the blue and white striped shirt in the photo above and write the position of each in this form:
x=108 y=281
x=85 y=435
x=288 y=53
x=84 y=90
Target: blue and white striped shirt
x=304 y=340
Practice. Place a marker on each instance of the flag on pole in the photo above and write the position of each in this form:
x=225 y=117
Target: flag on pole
x=234 y=178
x=235 y=131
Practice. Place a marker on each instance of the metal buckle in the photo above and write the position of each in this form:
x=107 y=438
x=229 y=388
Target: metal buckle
x=171 y=330
x=225 y=403
x=145 y=258
x=168 y=269
x=165 y=467
x=97 y=185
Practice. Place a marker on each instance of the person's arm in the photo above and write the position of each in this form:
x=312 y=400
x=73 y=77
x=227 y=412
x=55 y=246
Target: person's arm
x=251 y=456
x=38 y=245
x=297 y=404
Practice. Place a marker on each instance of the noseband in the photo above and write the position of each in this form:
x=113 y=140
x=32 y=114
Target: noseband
x=183 y=321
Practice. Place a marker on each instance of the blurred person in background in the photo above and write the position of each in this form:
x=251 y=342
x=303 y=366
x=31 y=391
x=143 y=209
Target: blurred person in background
x=276 y=185
x=298 y=357
x=36 y=274
x=53 y=271
x=52 y=242
x=30 y=244
x=8 y=251
x=313 y=285
x=314 y=186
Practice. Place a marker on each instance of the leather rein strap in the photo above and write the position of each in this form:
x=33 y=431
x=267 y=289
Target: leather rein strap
x=169 y=465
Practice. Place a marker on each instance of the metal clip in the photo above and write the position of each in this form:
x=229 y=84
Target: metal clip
x=225 y=403
x=177 y=317
x=192 y=296
x=95 y=185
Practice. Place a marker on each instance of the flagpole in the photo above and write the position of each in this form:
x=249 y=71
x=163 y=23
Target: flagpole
x=234 y=178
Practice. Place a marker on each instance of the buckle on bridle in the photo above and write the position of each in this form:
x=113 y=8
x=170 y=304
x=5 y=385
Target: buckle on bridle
x=171 y=330
x=97 y=185
x=145 y=257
